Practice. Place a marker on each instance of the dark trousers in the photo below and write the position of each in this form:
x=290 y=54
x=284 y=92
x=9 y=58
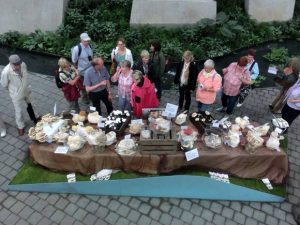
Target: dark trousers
x=228 y=102
x=96 y=97
x=289 y=114
x=184 y=94
x=158 y=88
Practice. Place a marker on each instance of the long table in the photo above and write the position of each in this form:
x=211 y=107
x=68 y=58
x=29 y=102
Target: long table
x=265 y=163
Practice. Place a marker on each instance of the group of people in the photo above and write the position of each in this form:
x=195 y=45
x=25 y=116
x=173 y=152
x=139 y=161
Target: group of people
x=139 y=84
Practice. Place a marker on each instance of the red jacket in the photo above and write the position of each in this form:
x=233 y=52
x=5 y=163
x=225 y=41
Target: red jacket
x=143 y=97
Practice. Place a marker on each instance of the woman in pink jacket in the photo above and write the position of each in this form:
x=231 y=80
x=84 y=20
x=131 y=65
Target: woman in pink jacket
x=142 y=94
x=209 y=83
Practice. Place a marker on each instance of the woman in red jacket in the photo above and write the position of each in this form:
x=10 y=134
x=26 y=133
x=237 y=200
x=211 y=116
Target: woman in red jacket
x=142 y=94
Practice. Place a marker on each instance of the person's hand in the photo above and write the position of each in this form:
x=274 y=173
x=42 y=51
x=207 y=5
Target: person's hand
x=103 y=83
x=287 y=70
x=109 y=96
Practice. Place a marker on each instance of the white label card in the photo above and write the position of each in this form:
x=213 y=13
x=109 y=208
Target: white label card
x=215 y=124
x=278 y=130
x=170 y=110
x=138 y=121
x=101 y=125
x=272 y=70
x=183 y=127
x=80 y=123
x=192 y=154
x=61 y=150
x=92 y=108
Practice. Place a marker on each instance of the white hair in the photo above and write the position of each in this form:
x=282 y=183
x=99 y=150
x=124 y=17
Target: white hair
x=209 y=63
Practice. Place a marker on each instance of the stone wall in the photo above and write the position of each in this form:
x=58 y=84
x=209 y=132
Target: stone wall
x=270 y=10
x=26 y=16
x=171 y=12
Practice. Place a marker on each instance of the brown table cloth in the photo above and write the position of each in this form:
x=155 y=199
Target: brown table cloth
x=264 y=163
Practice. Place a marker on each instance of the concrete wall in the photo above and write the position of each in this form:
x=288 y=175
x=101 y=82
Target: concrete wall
x=171 y=12
x=270 y=10
x=26 y=16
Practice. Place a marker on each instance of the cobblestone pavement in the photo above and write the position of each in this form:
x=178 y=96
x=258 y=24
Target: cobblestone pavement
x=43 y=208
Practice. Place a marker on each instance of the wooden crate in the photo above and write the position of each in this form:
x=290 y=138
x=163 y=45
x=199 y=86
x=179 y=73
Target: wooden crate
x=160 y=143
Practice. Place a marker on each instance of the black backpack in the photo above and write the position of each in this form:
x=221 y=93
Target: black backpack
x=58 y=82
x=80 y=49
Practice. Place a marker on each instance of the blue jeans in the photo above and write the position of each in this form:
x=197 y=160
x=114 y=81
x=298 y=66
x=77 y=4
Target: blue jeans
x=229 y=102
x=203 y=107
x=124 y=104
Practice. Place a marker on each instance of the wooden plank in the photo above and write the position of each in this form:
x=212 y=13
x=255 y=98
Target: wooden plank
x=158 y=148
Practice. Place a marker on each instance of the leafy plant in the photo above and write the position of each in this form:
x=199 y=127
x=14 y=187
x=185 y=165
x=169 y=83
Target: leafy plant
x=277 y=55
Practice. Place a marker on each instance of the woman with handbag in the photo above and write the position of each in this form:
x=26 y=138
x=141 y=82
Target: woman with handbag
x=235 y=75
x=70 y=77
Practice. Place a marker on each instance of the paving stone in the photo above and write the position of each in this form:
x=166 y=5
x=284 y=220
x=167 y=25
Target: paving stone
x=283 y=223
x=39 y=205
x=22 y=196
x=207 y=215
x=205 y=203
x=267 y=208
x=73 y=198
x=228 y=213
x=112 y=218
x=26 y=212
x=144 y=208
x=71 y=209
x=239 y=218
x=4 y=213
x=48 y=211
x=165 y=206
x=290 y=219
x=22 y=222
x=9 y=202
x=53 y=198
x=216 y=207
x=280 y=214
x=102 y=212
x=174 y=201
x=123 y=210
x=122 y=221
x=62 y=203
x=58 y=216
x=236 y=206
x=155 y=202
x=155 y=214
x=165 y=219
x=176 y=212
x=79 y=214
x=176 y=221
x=196 y=209
x=144 y=220
x=218 y=220
x=230 y=222
x=187 y=217
x=11 y=219
x=250 y=221
x=83 y=202
x=67 y=220
x=248 y=211
x=114 y=205
x=185 y=204
x=90 y=219
x=197 y=220
x=35 y=218
x=134 y=203
x=124 y=199
x=153 y=222
x=271 y=220
x=134 y=216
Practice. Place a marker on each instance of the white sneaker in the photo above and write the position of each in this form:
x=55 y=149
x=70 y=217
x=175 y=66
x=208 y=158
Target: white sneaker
x=3 y=133
x=239 y=104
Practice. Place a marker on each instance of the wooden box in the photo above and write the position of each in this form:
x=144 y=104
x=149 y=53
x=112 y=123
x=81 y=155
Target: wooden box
x=160 y=143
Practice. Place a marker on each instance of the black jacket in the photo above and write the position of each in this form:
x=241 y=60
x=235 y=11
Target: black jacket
x=193 y=72
x=139 y=66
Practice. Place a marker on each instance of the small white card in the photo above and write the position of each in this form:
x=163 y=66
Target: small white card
x=71 y=175
x=138 y=121
x=183 y=127
x=170 y=110
x=92 y=108
x=54 y=109
x=61 y=150
x=215 y=124
x=192 y=154
x=272 y=70
x=101 y=125
x=80 y=123
x=278 y=130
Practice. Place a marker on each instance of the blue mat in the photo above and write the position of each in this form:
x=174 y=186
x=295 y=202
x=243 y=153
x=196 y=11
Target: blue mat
x=177 y=186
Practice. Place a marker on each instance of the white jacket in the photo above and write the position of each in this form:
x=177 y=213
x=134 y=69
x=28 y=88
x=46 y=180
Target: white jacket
x=17 y=85
x=128 y=54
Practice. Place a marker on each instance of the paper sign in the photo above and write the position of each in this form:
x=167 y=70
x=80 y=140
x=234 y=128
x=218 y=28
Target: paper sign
x=101 y=125
x=183 y=127
x=61 y=150
x=71 y=175
x=80 y=123
x=138 y=121
x=192 y=154
x=54 y=109
x=170 y=110
x=278 y=130
x=92 y=108
x=272 y=70
x=215 y=124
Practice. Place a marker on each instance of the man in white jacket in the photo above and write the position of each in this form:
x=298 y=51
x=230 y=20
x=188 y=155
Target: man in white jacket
x=14 y=78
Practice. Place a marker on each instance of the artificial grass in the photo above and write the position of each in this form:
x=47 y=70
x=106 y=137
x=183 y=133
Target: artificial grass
x=31 y=173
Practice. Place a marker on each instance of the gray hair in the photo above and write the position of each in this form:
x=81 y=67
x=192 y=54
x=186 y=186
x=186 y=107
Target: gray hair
x=137 y=75
x=145 y=53
x=209 y=63
x=126 y=63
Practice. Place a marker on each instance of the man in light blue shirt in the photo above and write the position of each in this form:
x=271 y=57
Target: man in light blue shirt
x=82 y=55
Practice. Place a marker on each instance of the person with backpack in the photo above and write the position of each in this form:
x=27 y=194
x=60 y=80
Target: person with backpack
x=254 y=72
x=69 y=76
x=185 y=78
x=14 y=77
x=209 y=83
x=157 y=58
x=82 y=55
x=121 y=53
x=235 y=75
